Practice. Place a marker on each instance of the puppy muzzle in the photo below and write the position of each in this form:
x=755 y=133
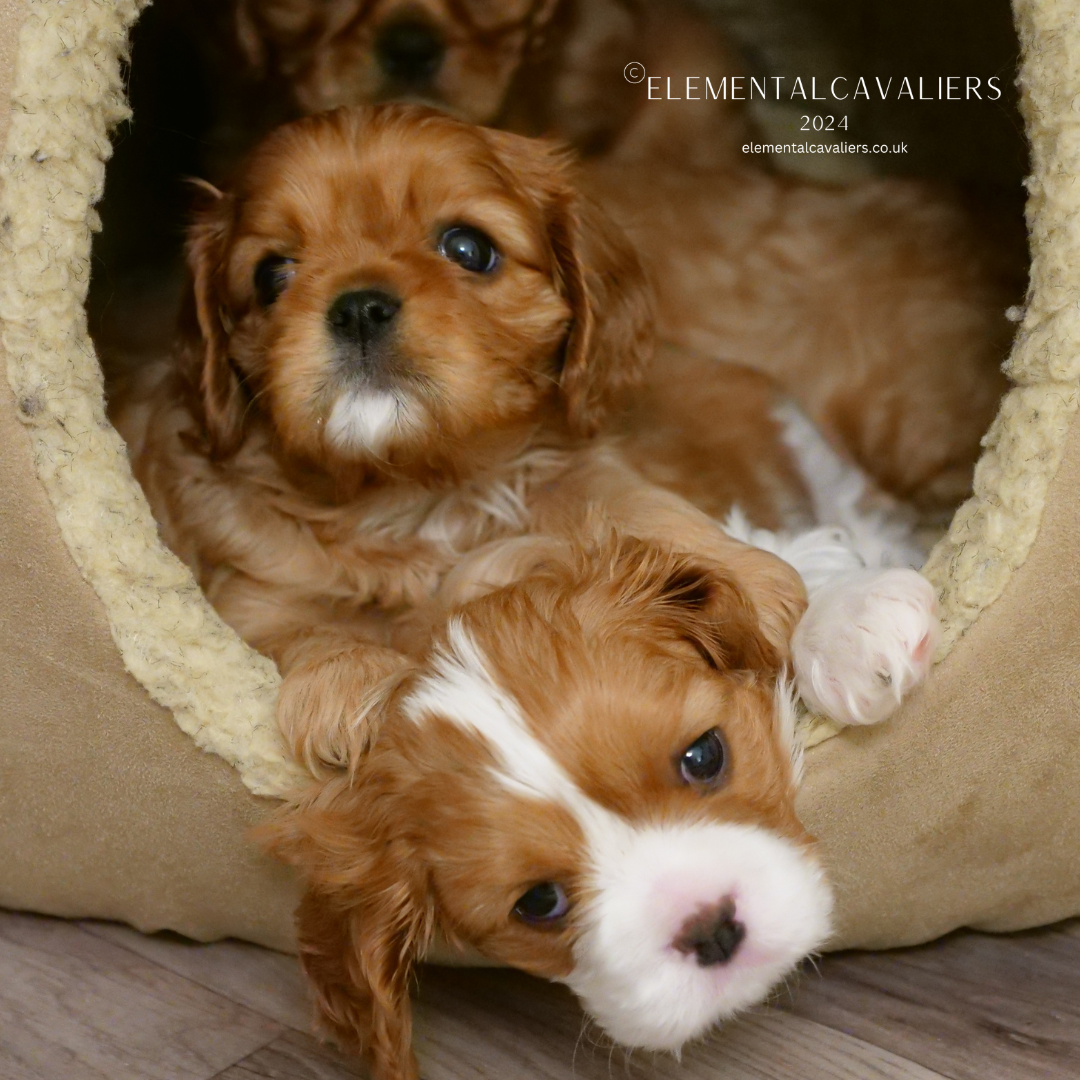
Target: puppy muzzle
x=361 y=323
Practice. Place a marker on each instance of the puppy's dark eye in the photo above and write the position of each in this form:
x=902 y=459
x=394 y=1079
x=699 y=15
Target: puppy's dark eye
x=702 y=762
x=271 y=276
x=469 y=248
x=543 y=903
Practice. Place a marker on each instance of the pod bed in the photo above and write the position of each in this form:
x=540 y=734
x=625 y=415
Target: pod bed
x=137 y=734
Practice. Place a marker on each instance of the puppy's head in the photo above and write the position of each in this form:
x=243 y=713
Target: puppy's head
x=387 y=285
x=592 y=782
x=457 y=53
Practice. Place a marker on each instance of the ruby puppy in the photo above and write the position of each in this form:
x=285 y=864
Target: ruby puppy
x=879 y=305
x=401 y=338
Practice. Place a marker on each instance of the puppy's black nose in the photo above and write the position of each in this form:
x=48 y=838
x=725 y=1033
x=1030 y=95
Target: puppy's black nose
x=713 y=935
x=410 y=50
x=363 y=317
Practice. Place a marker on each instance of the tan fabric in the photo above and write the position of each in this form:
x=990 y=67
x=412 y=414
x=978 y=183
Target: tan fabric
x=66 y=96
x=106 y=807
x=964 y=810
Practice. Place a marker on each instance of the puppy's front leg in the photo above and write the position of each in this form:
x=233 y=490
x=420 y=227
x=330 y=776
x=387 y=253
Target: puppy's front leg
x=335 y=691
x=338 y=667
x=870 y=631
x=867 y=639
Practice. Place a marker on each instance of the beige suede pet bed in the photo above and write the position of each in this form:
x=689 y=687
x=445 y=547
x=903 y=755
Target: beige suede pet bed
x=137 y=738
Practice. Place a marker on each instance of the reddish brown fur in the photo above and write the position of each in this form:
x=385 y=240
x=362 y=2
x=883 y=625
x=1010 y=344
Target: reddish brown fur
x=301 y=546
x=619 y=656
x=881 y=306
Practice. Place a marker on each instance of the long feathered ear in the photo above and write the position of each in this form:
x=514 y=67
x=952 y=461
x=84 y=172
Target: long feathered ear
x=698 y=600
x=365 y=919
x=204 y=335
x=611 y=335
x=610 y=338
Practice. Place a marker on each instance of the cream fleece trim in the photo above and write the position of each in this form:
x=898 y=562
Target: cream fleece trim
x=993 y=531
x=68 y=97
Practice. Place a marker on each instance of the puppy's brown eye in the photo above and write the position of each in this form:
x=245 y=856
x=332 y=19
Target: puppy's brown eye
x=272 y=275
x=543 y=903
x=469 y=248
x=703 y=761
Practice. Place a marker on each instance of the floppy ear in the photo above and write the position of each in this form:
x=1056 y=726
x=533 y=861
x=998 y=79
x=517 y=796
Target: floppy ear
x=364 y=921
x=701 y=602
x=610 y=338
x=204 y=336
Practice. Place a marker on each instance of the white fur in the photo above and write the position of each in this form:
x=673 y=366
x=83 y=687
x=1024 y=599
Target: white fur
x=820 y=555
x=787 y=716
x=459 y=688
x=643 y=881
x=648 y=881
x=865 y=641
x=869 y=633
x=366 y=420
x=838 y=489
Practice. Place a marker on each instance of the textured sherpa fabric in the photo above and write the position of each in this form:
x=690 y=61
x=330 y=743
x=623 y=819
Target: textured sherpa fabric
x=993 y=531
x=66 y=99
x=964 y=809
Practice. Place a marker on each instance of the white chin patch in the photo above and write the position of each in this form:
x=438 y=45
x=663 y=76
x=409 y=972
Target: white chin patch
x=642 y=989
x=367 y=420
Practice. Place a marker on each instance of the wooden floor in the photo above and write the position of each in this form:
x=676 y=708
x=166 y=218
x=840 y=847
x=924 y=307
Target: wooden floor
x=94 y=1001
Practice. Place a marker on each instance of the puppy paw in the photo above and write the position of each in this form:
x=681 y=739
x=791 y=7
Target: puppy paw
x=330 y=709
x=865 y=641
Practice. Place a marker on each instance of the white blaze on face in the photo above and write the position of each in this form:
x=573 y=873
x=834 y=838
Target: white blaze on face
x=366 y=420
x=644 y=882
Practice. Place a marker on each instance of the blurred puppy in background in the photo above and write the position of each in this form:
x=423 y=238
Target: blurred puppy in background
x=879 y=306
x=537 y=67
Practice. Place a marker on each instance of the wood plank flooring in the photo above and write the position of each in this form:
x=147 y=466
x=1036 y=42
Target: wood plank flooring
x=96 y=1001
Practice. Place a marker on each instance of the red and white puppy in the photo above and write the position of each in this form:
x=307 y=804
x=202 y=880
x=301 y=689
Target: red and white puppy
x=590 y=779
x=590 y=773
